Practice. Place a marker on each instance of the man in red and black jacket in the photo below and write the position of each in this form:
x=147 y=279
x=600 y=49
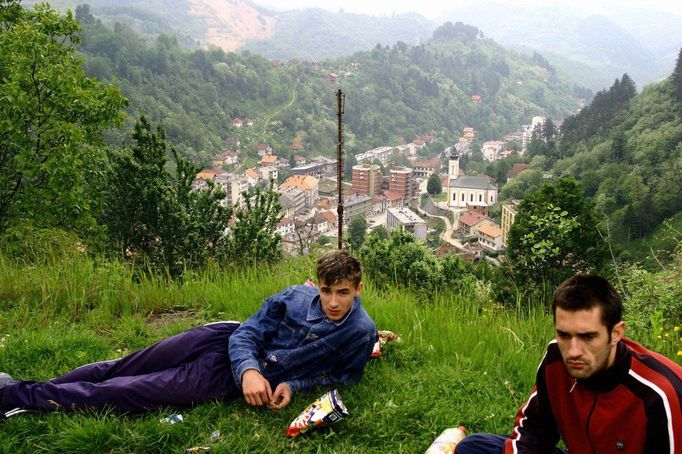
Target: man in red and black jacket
x=596 y=390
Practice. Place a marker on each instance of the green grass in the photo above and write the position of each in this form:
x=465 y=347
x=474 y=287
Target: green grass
x=462 y=360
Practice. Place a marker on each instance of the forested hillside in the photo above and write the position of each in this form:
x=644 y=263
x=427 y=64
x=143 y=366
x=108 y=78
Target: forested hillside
x=626 y=150
x=393 y=92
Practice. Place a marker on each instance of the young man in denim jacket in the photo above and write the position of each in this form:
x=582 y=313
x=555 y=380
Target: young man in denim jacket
x=300 y=338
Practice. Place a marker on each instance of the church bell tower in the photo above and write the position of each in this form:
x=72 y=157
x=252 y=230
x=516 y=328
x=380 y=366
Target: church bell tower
x=453 y=165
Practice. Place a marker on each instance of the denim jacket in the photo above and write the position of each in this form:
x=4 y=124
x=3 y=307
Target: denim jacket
x=290 y=339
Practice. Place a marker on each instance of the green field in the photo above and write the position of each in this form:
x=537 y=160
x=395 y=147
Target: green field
x=462 y=360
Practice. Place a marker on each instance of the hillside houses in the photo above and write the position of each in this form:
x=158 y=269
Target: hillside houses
x=263 y=149
x=378 y=189
x=233 y=142
x=307 y=184
x=226 y=157
x=268 y=160
x=491 y=150
x=238 y=122
x=379 y=154
x=424 y=169
x=469 y=223
x=490 y=238
x=297 y=147
x=317 y=167
x=406 y=220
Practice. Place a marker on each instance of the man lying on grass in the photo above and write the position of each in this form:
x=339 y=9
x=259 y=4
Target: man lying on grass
x=595 y=389
x=300 y=338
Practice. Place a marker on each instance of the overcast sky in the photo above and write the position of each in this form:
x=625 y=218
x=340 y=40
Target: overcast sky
x=434 y=8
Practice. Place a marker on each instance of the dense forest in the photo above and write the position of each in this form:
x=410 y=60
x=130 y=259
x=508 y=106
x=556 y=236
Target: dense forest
x=626 y=151
x=393 y=92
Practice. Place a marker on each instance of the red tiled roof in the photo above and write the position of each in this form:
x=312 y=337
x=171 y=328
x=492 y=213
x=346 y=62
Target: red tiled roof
x=471 y=218
x=330 y=216
x=300 y=181
x=491 y=230
x=272 y=159
x=517 y=169
x=393 y=195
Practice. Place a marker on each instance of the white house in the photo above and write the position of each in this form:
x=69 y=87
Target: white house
x=490 y=237
x=491 y=150
x=406 y=219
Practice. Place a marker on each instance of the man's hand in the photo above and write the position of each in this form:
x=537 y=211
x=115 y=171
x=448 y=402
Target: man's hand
x=256 y=389
x=281 y=397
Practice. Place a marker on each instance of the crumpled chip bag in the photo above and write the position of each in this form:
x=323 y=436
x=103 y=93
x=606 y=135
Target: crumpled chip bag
x=325 y=410
x=384 y=338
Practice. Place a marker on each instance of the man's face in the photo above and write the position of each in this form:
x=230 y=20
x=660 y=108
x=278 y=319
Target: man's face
x=337 y=299
x=584 y=341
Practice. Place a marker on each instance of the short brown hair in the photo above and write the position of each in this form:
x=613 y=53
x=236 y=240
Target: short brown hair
x=338 y=265
x=585 y=291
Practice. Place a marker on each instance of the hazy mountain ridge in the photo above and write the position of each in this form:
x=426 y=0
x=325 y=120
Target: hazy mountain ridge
x=626 y=41
x=317 y=34
x=227 y=24
x=642 y=43
x=312 y=34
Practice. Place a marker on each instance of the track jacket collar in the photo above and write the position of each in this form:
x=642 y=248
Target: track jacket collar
x=608 y=379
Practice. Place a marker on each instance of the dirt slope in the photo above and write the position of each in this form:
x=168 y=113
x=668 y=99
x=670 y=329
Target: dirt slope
x=231 y=22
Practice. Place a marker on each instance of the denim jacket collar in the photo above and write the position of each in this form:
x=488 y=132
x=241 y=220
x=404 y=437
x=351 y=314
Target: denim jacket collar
x=315 y=311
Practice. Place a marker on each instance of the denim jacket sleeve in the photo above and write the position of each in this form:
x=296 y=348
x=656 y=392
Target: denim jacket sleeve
x=352 y=364
x=251 y=337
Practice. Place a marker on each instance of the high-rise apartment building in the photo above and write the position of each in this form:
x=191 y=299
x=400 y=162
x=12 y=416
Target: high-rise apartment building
x=366 y=179
x=402 y=180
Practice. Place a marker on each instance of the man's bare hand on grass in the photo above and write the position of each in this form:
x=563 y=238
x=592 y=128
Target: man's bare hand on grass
x=281 y=397
x=256 y=389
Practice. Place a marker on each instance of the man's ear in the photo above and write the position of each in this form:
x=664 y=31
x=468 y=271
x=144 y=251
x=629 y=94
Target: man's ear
x=617 y=332
x=359 y=288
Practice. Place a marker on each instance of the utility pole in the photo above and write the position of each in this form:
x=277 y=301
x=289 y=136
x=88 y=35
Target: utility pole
x=340 y=102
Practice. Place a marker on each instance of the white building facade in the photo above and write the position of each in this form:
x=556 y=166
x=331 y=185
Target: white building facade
x=468 y=191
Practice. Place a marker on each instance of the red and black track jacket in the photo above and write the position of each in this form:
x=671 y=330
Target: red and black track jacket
x=635 y=406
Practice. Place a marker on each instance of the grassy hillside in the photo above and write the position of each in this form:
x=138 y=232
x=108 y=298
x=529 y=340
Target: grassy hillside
x=462 y=360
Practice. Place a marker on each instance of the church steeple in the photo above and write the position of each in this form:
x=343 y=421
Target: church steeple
x=453 y=165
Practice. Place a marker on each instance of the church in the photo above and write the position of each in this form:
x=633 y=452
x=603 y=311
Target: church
x=468 y=191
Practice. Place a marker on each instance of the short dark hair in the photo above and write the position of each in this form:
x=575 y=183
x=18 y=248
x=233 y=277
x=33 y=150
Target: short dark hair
x=339 y=265
x=585 y=291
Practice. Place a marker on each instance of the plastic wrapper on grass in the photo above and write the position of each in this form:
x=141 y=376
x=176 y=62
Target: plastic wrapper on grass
x=447 y=441
x=173 y=418
x=384 y=338
x=324 y=411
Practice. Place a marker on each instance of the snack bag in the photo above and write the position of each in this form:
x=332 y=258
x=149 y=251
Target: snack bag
x=325 y=410
x=447 y=441
x=384 y=337
x=309 y=282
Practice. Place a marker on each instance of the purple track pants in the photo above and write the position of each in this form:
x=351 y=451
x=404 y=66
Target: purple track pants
x=185 y=369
